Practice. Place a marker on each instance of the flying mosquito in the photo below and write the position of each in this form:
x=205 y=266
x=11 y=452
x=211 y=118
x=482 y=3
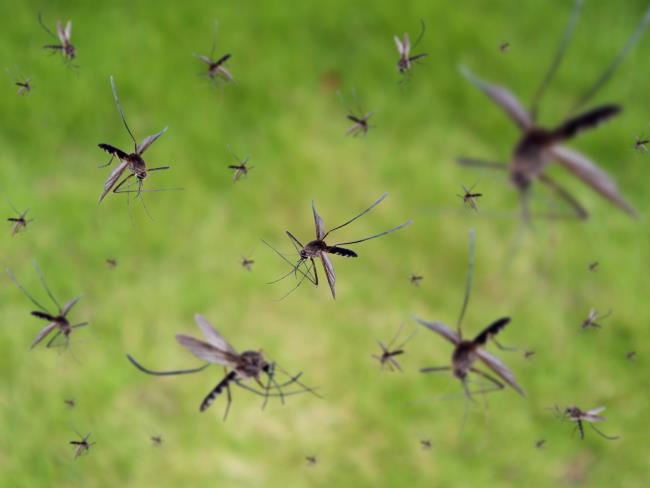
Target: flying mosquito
x=640 y=144
x=239 y=367
x=318 y=248
x=388 y=354
x=311 y=460
x=19 y=221
x=156 y=440
x=467 y=352
x=24 y=84
x=404 y=50
x=70 y=403
x=241 y=168
x=356 y=115
x=82 y=446
x=504 y=47
x=529 y=354
x=416 y=280
x=540 y=444
x=631 y=356
x=538 y=147
x=469 y=199
x=57 y=321
x=425 y=444
x=111 y=263
x=67 y=49
x=133 y=162
x=216 y=67
x=590 y=321
x=593 y=266
x=247 y=263
x=590 y=416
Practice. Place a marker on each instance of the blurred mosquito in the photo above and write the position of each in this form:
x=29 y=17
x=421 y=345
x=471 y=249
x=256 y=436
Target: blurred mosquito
x=19 y=222
x=57 y=321
x=388 y=354
x=529 y=354
x=469 y=199
x=405 y=61
x=426 y=444
x=241 y=168
x=70 y=403
x=24 y=84
x=416 y=280
x=631 y=356
x=156 y=440
x=216 y=67
x=538 y=147
x=311 y=460
x=590 y=321
x=504 y=47
x=318 y=248
x=467 y=352
x=356 y=115
x=247 y=264
x=133 y=161
x=82 y=446
x=238 y=367
x=111 y=263
x=593 y=266
x=590 y=417
x=540 y=444
x=63 y=35
x=640 y=144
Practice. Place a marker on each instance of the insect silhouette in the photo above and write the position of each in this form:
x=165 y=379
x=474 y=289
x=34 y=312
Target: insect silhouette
x=631 y=356
x=640 y=144
x=590 y=417
x=593 y=266
x=216 y=67
x=24 y=84
x=70 y=403
x=63 y=35
x=504 y=47
x=540 y=444
x=469 y=198
x=57 y=321
x=247 y=263
x=356 y=115
x=19 y=222
x=388 y=354
x=111 y=263
x=538 y=147
x=156 y=440
x=241 y=168
x=425 y=444
x=529 y=354
x=248 y=365
x=467 y=352
x=405 y=61
x=133 y=161
x=318 y=248
x=416 y=280
x=311 y=460
x=82 y=446
x=590 y=321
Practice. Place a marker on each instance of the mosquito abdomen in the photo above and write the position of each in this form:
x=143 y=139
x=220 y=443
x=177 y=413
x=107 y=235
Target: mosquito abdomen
x=212 y=396
x=341 y=251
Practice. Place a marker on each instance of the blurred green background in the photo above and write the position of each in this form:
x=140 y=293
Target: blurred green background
x=289 y=61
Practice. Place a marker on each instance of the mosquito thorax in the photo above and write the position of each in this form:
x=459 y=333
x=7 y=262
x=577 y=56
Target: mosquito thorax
x=69 y=51
x=251 y=363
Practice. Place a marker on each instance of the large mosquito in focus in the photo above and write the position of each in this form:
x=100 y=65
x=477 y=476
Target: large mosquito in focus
x=19 y=222
x=388 y=353
x=63 y=35
x=216 y=67
x=318 y=248
x=404 y=49
x=133 y=161
x=538 y=147
x=590 y=417
x=468 y=351
x=57 y=321
x=248 y=365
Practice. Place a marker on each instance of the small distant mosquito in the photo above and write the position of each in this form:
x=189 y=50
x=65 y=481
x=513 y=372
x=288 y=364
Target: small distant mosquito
x=70 y=403
x=467 y=352
x=640 y=144
x=590 y=416
x=538 y=147
x=247 y=263
x=19 y=221
x=469 y=198
x=24 y=84
x=356 y=115
x=593 y=266
x=133 y=162
x=57 y=321
x=311 y=460
x=426 y=444
x=241 y=168
x=111 y=263
x=416 y=279
x=540 y=444
x=67 y=49
x=82 y=446
x=156 y=440
x=529 y=354
x=404 y=50
x=590 y=321
x=504 y=47
x=631 y=356
x=239 y=367
x=318 y=248
x=216 y=67
x=388 y=354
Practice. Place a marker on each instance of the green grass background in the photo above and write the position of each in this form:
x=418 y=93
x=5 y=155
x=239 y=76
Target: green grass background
x=366 y=431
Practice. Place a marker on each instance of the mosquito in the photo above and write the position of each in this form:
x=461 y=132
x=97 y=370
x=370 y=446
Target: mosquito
x=57 y=321
x=70 y=403
x=156 y=440
x=387 y=357
x=504 y=47
x=467 y=352
x=590 y=321
x=133 y=162
x=111 y=263
x=19 y=221
x=82 y=446
x=311 y=460
x=640 y=144
x=24 y=84
x=529 y=354
x=63 y=34
x=356 y=115
x=540 y=444
x=216 y=67
x=538 y=147
x=469 y=199
x=593 y=266
x=241 y=168
x=416 y=280
x=318 y=248
x=590 y=416
x=248 y=365
x=631 y=356
x=426 y=444
x=247 y=263
x=404 y=50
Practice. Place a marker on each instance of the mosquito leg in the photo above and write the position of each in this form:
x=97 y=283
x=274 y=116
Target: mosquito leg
x=107 y=164
x=25 y=292
x=115 y=190
x=468 y=283
x=599 y=432
x=502 y=347
x=580 y=212
x=160 y=168
x=497 y=384
x=228 y=400
x=42 y=278
x=164 y=373
x=49 y=343
x=479 y=163
x=435 y=370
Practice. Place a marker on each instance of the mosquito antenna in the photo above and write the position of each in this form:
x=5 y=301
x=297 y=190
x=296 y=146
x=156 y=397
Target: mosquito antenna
x=358 y=216
x=408 y=339
x=599 y=432
x=399 y=331
x=405 y=224
x=165 y=373
x=468 y=285
x=119 y=108
x=421 y=35
x=41 y=276
x=557 y=59
x=12 y=206
x=607 y=74
x=292 y=270
x=40 y=21
x=295 y=379
x=297 y=285
x=144 y=205
x=293 y=266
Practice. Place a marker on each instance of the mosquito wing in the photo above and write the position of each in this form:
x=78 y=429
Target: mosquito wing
x=112 y=179
x=205 y=59
x=593 y=176
x=318 y=222
x=407 y=44
x=68 y=306
x=60 y=32
x=440 y=329
x=592 y=415
x=149 y=141
x=206 y=352
x=213 y=337
x=503 y=98
x=68 y=31
x=500 y=369
x=225 y=74
x=400 y=46
x=43 y=334
x=329 y=272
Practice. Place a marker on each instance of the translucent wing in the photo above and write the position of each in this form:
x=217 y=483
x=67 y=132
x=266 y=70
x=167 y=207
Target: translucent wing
x=205 y=59
x=318 y=222
x=43 y=334
x=149 y=141
x=225 y=74
x=407 y=44
x=205 y=351
x=329 y=272
x=213 y=337
x=592 y=415
x=500 y=369
x=112 y=179
x=400 y=46
x=59 y=32
x=595 y=411
x=68 y=30
x=593 y=176
x=68 y=306
x=503 y=98
x=440 y=329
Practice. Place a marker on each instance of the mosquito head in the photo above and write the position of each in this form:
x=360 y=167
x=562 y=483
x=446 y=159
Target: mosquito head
x=572 y=412
x=69 y=51
x=252 y=362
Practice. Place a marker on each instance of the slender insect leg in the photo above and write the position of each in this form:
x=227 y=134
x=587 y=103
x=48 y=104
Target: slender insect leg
x=115 y=190
x=435 y=370
x=479 y=163
x=49 y=343
x=610 y=438
x=497 y=384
